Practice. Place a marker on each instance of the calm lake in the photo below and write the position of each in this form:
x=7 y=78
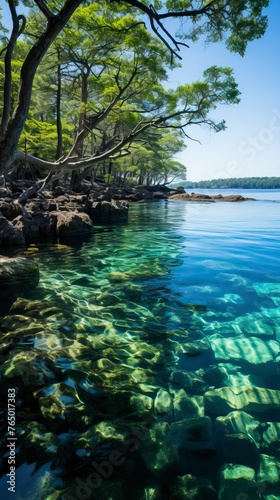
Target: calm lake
x=146 y=362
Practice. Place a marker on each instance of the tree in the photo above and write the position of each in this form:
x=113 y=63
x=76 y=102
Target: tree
x=236 y=21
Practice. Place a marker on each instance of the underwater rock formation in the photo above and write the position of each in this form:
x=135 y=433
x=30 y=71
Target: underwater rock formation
x=238 y=479
x=257 y=399
x=18 y=273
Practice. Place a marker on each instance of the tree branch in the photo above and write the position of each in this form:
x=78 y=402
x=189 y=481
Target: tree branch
x=44 y=9
x=18 y=28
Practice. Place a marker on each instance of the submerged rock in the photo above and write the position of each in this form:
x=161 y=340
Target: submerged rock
x=195 y=434
x=25 y=369
x=253 y=350
x=271 y=438
x=189 y=487
x=269 y=474
x=200 y=346
x=187 y=406
x=235 y=376
x=236 y=480
x=141 y=404
x=221 y=401
x=160 y=456
x=239 y=422
x=153 y=493
x=163 y=402
x=239 y=448
x=190 y=381
x=39 y=444
x=18 y=274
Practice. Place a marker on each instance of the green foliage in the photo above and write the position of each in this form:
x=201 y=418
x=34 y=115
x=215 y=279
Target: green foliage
x=100 y=87
x=237 y=183
x=39 y=138
x=238 y=22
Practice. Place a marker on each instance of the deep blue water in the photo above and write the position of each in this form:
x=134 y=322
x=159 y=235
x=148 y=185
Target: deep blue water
x=182 y=288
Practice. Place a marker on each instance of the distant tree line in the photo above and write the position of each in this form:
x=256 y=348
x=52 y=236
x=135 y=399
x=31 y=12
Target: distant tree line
x=237 y=183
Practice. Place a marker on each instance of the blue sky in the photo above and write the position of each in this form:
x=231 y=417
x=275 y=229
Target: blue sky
x=251 y=144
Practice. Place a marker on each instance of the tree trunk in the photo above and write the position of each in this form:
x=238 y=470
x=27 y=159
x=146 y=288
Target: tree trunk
x=58 y=113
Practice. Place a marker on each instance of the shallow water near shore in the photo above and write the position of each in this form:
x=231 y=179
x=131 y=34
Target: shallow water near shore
x=136 y=346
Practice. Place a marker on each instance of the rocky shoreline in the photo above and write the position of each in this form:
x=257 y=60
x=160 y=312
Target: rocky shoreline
x=62 y=215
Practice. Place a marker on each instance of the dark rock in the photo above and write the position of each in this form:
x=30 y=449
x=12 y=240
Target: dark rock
x=158 y=195
x=34 y=206
x=194 y=435
x=5 y=192
x=10 y=235
x=46 y=223
x=50 y=206
x=73 y=224
x=28 y=227
x=104 y=211
x=59 y=190
x=132 y=197
x=240 y=448
x=8 y=209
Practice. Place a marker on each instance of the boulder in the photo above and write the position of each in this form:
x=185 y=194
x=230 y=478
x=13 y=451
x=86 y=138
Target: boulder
x=258 y=399
x=73 y=225
x=108 y=211
x=238 y=422
x=238 y=482
x=28 y=227
x=10 y=235
x=8 y=209
x=242 y=449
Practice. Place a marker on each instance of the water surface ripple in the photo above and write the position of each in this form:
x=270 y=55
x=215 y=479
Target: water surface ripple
x=147 y=360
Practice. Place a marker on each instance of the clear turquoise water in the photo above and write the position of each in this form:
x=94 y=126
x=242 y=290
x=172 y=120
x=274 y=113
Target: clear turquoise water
x=110 y=323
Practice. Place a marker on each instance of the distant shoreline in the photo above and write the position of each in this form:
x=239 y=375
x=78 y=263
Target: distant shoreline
x=234 y=183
